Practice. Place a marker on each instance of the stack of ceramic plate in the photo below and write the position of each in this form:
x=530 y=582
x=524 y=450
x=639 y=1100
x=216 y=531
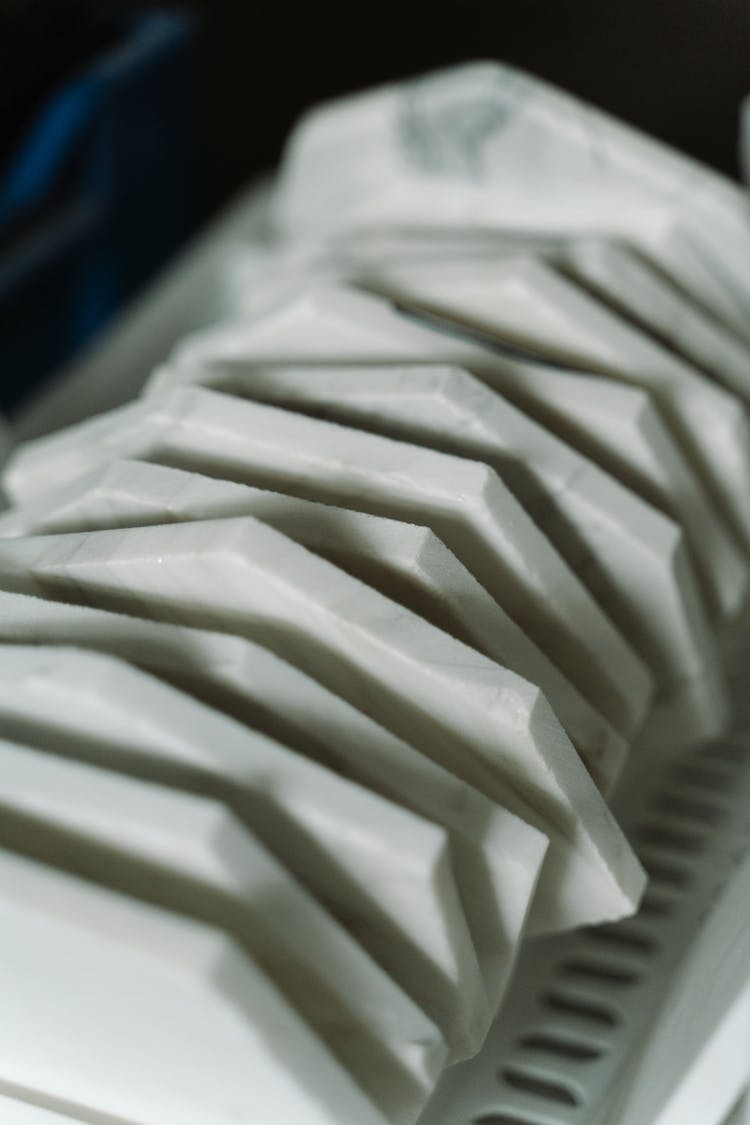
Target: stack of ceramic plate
x=320 y=661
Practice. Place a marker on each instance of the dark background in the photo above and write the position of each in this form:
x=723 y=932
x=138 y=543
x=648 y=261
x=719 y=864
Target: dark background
x=676 y=68
x=175 y=113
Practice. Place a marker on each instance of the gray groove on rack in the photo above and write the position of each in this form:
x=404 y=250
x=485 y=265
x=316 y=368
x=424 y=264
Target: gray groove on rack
x=581 y=1002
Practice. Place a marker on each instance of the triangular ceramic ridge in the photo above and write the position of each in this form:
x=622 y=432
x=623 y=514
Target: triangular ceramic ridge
x=610 y=266
x=627 y=281
x=607 y=420
x=708 y=278
x=346 y=844
x=497 y=856
x=656 y=297
x=187 y=854
x=198 y=429
x=462 y=146
x=330 y=324
x=627 y=552
x=433 y=131
x=601 y=417
x=611 y=269
x=607 y=269
x=479 y=720
x=403 y=561
x=464 y=502
x=526 y=302
x=90 y=978
x=621 y=429
x=261 y=279
x=649 y=297
x=376 y=245
x=422 y=136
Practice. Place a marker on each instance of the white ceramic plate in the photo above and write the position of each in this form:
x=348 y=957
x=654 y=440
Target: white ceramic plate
x=477 y=719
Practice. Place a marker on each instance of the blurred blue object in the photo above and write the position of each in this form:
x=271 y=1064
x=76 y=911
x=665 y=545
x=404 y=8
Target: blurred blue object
x=103 y=188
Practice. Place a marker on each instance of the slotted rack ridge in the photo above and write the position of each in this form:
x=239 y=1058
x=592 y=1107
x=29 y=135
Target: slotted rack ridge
x=576 y=1016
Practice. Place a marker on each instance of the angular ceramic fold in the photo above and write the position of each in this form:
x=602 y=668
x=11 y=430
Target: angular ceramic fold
x=485 y=144
x=117 y=1010
x=330 y=325
x=526 y=303
x=611 y=271
x=628 y=282
x=345 y=844
x=615 y=424
x=480 y=721
x=188 y=854
x=630 y=555
x=623 y=274
x=463 y=271
x=497 y=857
x=464 y=502
x=403 y=561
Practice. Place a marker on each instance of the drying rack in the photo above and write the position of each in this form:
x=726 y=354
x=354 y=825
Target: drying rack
x=644 y=1022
